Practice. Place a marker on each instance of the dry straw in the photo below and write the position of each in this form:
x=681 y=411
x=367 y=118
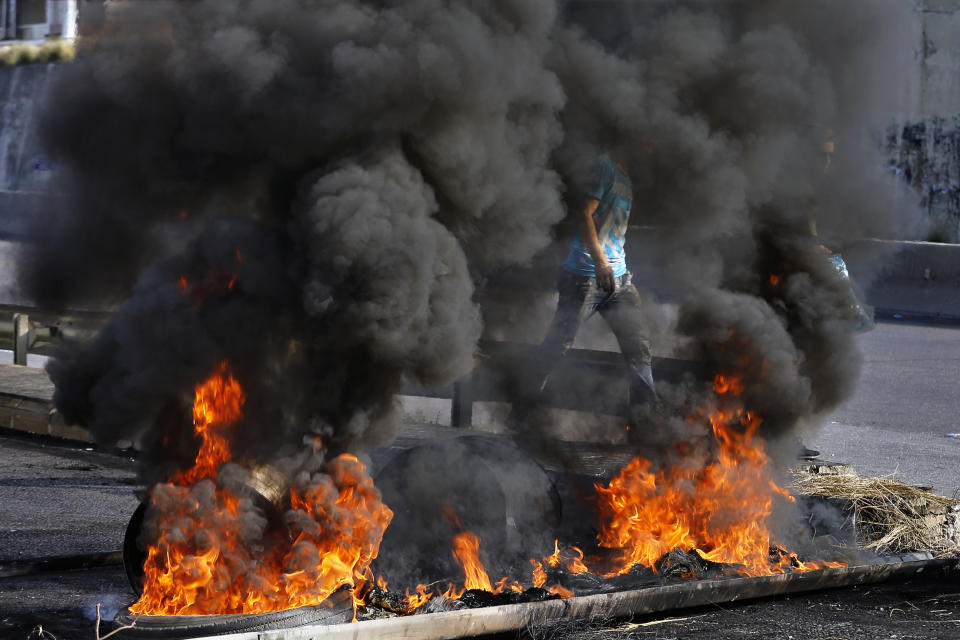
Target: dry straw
x=892 y=517
x=50 y=51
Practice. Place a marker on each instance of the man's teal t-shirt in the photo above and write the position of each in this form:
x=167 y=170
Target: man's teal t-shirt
x=613 y=189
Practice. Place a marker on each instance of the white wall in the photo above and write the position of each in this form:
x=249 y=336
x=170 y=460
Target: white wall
x=61 y=21
x=939 y=53
x=62 y=18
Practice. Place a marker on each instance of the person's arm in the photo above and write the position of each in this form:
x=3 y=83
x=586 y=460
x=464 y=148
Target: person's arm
x=813 y=231
x=588 y=232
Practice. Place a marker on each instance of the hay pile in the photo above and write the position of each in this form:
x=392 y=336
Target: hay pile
x=891 y=517
x=24 y=53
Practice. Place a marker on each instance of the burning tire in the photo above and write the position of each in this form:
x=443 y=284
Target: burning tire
x=133 y=555
x=338 y=608
x=486 y=485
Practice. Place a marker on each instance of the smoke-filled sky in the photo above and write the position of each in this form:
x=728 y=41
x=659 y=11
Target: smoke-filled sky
x=333 y=179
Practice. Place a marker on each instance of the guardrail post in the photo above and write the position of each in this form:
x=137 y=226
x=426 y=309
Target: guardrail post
x=461 y=408
x=21 y=338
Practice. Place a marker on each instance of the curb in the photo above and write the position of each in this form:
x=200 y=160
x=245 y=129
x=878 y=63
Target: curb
x=904 y=315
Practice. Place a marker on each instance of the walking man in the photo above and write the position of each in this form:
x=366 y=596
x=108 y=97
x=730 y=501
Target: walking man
x=594 y=279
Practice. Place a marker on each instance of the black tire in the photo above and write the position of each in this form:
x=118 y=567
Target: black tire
x=338 y=608
x=497 y=492
x=133 y=556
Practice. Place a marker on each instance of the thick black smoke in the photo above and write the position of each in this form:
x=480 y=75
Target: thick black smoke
x=723 y=110
x=331 y=178
x=340 y=159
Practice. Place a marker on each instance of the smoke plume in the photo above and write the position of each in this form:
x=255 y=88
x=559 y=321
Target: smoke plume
x=723 y=110
x=341 y=161
x=313 y=190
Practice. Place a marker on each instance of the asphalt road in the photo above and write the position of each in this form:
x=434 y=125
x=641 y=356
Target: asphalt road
x=907 y=401
x=62 y=500
x=57 y=501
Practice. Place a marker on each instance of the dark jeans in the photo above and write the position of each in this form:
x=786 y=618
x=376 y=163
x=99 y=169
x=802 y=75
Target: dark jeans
x=580 y=298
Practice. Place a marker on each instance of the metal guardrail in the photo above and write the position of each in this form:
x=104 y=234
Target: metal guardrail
x=585 y=379
x=29 y=322
x=21 y=338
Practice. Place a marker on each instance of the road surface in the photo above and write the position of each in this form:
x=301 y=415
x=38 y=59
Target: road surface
x=56 y=501
x=907 y=401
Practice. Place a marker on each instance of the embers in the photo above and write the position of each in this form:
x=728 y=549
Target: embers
x=396 y=603
x=690 y=564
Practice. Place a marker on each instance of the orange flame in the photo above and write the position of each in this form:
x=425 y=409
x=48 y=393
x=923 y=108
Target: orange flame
x=575 y=565
x=453 y=592
x=561 y=591
x=352 y=521
x=218 y=405
x=538 y=576
x=505 y=583
x=466 y=550
x=208 y=560
x=418 y=599
x=723 y=385
x=717 y=506
x=554 y=559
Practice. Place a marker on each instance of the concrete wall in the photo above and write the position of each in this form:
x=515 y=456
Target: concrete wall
x=939 y=51
x=926 y=154
x=24 y=172
x=924 y=141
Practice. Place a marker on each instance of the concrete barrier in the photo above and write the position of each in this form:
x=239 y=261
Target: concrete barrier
x=912 y=280
x=24 y=169
x=26 y=396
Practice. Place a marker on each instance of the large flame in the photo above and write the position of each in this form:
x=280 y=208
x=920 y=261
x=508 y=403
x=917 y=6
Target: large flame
x=214 y=553
x=715 y=502
x=718 y=507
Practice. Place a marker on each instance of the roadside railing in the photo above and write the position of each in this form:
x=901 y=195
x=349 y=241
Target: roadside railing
x=584 y=380
x=24 y=325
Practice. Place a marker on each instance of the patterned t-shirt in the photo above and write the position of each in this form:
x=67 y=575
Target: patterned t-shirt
x=612 y=187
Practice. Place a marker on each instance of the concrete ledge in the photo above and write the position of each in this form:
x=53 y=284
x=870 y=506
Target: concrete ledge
x=26 y=405
x=690 y=594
